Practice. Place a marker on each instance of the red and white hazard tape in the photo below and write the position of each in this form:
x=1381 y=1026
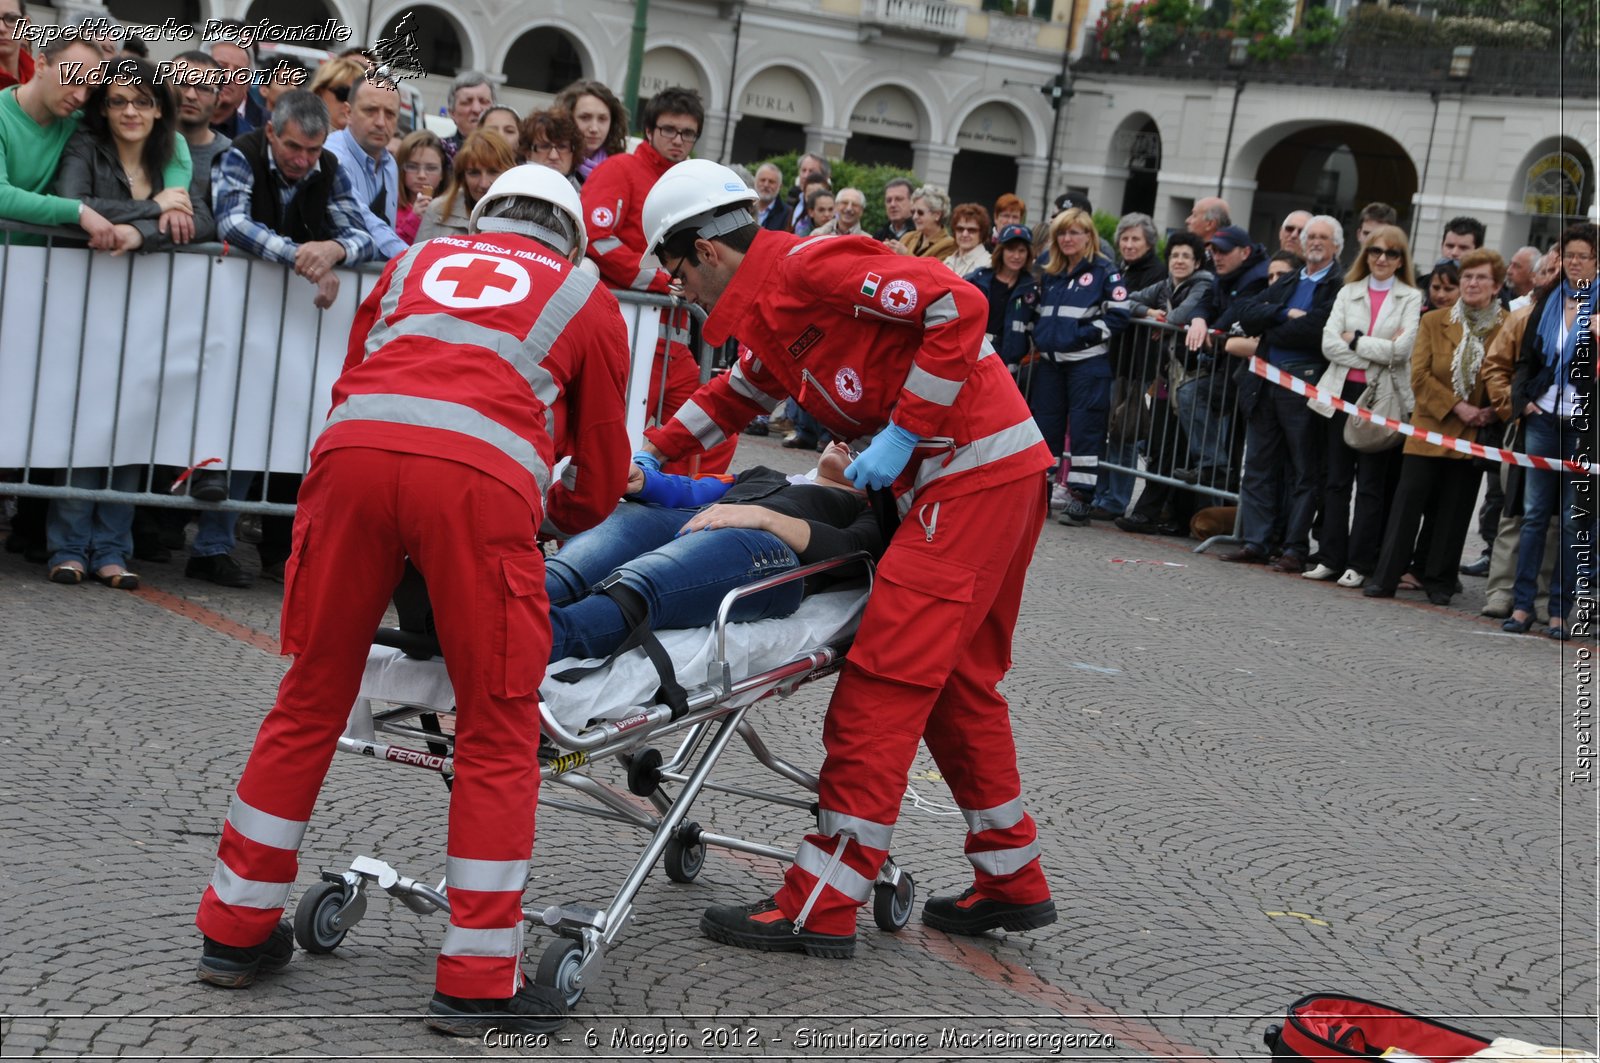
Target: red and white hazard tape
x=1439 y=439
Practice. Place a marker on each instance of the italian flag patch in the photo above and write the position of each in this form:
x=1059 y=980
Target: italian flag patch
x=869 y=287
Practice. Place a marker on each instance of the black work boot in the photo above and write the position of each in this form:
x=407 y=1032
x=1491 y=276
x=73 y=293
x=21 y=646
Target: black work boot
x=972 y=914
x=232 y=967
x=762 y=926
x=534 y=1009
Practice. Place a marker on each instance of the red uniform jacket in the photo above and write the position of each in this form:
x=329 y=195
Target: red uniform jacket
x=613 y=201
x=858 y=335
x=492 y=351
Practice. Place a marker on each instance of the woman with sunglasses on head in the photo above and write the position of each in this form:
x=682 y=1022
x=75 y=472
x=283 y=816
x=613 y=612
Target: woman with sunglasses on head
x=424 y=172
x=1439 y=487
x=118 y=163
x=1368 y=341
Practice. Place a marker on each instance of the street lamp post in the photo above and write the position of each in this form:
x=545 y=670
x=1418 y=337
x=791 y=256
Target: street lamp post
x=641 y=20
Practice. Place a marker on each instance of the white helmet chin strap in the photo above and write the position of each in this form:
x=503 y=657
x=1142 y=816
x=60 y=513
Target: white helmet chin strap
x=527 y=228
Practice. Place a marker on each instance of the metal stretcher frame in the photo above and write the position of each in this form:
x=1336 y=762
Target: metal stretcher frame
x=716 y=713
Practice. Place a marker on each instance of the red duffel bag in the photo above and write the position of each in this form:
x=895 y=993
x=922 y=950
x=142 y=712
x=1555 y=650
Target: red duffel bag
x=1333 y=1026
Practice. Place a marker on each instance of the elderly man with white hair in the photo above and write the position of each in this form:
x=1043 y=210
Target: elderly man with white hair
x=848 y=207
x=1283 y=472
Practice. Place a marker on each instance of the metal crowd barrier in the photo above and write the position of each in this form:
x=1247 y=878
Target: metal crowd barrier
x=1173 y=424
x=122 y=372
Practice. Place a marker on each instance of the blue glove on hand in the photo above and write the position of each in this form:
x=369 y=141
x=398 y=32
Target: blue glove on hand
x=647 y=461
x=883 y=460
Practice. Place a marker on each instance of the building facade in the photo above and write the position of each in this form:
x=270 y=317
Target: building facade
x=958 y=94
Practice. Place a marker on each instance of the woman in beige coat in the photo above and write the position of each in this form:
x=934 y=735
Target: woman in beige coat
x=1368 y=342
x=1438 y=485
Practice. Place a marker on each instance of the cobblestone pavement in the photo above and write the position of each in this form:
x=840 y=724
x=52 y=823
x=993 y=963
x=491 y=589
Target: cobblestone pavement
x=1248 y=786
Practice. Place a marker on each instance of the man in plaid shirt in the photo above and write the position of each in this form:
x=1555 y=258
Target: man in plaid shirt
x=279 y=195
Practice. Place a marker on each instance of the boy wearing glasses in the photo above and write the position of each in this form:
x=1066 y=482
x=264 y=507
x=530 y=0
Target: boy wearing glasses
x=613 y=199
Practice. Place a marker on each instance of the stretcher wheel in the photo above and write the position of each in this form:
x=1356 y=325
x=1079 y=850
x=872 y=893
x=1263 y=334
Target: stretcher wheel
x=892 y=904
x=316 y=925
x=558 y=969
x=684 y=860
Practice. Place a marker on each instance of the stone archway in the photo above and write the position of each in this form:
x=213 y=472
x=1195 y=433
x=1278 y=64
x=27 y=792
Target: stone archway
x=989 y=141
x=1333 y=168
x=776 y=105
x=442 y=42
x=544 y=59
x=1136 y=150
x=1553 y=185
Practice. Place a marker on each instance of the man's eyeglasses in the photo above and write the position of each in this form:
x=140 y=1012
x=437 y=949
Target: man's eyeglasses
x=1393 y=254
x=1292 y=229
x=688 y=136
x=423 y=167
x=199 y=86
x=1577 y=256
x=10 y=19
x=675 y=274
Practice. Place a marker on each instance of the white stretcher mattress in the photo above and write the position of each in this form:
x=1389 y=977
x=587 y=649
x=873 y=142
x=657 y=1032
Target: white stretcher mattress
x=631 y=681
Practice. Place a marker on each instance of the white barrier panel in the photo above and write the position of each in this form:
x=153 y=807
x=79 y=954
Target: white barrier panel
x=173 y=359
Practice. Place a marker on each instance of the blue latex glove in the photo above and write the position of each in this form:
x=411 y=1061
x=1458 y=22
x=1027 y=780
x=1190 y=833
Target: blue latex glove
x=883 y=460
x=679 y=492
x=647 y=461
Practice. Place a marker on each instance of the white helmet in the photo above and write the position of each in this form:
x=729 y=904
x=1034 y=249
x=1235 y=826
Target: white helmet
x=690 y=193
x=533 y=181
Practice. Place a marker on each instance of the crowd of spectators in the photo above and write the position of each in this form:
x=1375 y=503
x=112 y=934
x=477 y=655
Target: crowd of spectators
x=1131 y=353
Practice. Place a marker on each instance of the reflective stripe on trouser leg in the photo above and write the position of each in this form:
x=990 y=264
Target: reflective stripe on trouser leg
x=969 y=735
x=829 y=879
x=492 y=633
x=340 y=577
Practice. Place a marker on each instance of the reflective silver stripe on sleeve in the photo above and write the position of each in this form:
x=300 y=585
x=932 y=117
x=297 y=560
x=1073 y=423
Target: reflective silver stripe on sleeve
x=803 y=244
x=845 y=878
x=605 y=245
x=941 y=311
x=1076 y=311
x=1000 y=817
x=564 y=305
x=679 y=336
x=463 y=941
x=264 y=828
x=642 y=281
x=872 y=835
x=450 y=416
x=987 y=349
x=247 y=893
x=935 y=389
x=699 y=424
x=1105 y=329
x=742 y=385
x=1005 y=861
x=569 y=476
x=1019 y=325
x=1002 y=444
x=390 y=302
x=1048 y=310
x=485 y=876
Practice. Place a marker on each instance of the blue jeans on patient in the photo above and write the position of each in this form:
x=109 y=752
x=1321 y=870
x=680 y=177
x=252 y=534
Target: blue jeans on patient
x=682 y=579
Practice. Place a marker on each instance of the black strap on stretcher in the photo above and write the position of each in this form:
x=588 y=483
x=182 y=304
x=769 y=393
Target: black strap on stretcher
x=636 y=614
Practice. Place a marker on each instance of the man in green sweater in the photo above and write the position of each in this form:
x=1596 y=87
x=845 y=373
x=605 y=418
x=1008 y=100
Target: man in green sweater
x=36 y=120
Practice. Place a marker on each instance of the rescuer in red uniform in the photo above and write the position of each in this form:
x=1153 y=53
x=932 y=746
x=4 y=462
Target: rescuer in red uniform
x=878 y=345
x=613 y=196
x=474 y=362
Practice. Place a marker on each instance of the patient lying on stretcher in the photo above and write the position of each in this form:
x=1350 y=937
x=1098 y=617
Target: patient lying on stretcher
x=679 y=545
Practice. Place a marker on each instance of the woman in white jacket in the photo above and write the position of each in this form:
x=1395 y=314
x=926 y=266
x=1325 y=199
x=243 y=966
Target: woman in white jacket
x=1367 y=342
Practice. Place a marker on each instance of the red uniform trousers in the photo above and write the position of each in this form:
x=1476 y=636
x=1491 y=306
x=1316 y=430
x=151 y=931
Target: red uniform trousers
x=933 y=644
x=682 y=380
x=362 y=511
